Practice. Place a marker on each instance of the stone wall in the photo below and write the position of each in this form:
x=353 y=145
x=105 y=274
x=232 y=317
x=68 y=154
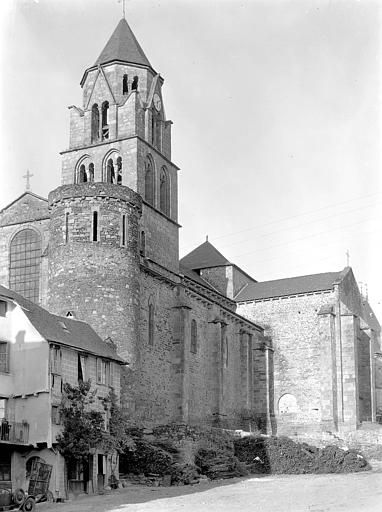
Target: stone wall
x=292 y=324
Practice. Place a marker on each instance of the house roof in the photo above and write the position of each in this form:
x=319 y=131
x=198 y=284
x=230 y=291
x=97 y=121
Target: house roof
x=62 y=330
x=204 y=256
x=123 y=46
x=288 y=286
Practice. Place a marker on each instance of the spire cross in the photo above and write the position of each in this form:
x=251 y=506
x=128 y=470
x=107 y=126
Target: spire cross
x=123 y=7
x=347 y=257
x=27 y=176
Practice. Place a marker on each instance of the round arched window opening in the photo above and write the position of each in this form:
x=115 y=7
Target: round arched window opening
x=24 y=264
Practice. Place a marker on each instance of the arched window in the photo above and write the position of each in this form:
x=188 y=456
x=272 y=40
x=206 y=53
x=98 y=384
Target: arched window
x=125 y=85
x=164 y=192
x=194 y=337
x=134 y=85
x=24 y=268
x=151 y=324
x=119 y=171
x=95 y=123
x=105 y=120
x=82 y=178
x=91 y=173
x=149 y=182
x=110 y=176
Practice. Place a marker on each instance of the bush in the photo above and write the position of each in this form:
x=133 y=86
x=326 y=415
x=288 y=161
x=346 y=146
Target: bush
x=146 y=458
x=282 y=455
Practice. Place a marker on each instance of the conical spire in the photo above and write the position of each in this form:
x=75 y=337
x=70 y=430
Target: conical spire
x=123 y=46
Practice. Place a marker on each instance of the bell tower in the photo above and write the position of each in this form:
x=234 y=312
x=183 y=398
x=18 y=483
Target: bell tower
x=116 y=208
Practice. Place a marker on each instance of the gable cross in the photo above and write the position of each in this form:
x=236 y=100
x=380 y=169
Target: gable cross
x=27 y=176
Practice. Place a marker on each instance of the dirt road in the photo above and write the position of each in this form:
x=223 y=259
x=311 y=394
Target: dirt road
x=357 y=492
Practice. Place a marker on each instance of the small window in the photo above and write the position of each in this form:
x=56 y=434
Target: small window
x=123 y=231
x=119 y=171
x=3 y=407
x=55 y=360
x=3 y=308
x=82 y=178
x=134 y=85
x=4 y=357
x=66 y=227
x=151 y=324
x=56 y=420
x=110 y=176
x=194 y=337
x=105 y=120
x=125 y=85
x=81 y=368
x=91 y=172
x=164 y=192
x=95 y=123
x=149 y=181
x=142 y=244
x=104 y=375
x=95 y=227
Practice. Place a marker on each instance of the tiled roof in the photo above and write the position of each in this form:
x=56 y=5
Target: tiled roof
x=289 y=286
x=123 y=46
x=204 y=256
x=62 y=330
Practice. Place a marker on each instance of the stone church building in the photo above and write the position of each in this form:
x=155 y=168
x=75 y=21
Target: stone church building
x=204 y=342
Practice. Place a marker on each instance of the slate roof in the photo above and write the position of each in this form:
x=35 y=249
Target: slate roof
x=289 y=286
x=123 y=46
x=204 y=256
x=77 y=334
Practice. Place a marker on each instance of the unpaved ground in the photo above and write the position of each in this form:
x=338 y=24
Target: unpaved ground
x=356 y=492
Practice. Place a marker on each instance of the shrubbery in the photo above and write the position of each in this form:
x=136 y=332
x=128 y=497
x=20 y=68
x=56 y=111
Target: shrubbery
x=282 y=455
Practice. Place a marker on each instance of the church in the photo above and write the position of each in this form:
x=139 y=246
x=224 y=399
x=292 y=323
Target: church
x=204 y=343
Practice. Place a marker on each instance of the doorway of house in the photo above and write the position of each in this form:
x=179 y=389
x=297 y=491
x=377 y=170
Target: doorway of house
x=100 y=473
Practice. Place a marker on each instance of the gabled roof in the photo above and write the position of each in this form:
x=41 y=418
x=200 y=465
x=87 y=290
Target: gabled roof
x=123 y=46
x=27 y=207
x=204 y=256
x=27 y=193
x=62 y=330
x=289 y=286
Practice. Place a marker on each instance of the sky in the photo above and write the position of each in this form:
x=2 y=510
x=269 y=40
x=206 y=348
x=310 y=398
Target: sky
x=277 y=119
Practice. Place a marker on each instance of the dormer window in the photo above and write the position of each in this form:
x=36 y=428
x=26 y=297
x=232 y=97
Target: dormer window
x=134 y=85
x=125 y=85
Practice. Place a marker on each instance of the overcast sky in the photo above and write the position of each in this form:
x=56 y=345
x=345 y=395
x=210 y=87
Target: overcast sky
x=276 y=111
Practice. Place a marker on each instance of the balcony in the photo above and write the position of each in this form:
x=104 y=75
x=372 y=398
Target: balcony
x=14 y=432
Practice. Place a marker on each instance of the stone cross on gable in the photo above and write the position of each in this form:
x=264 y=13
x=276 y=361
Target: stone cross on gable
x=27 y=176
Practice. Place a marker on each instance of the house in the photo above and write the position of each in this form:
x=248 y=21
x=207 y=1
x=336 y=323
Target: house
x=39 y=352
